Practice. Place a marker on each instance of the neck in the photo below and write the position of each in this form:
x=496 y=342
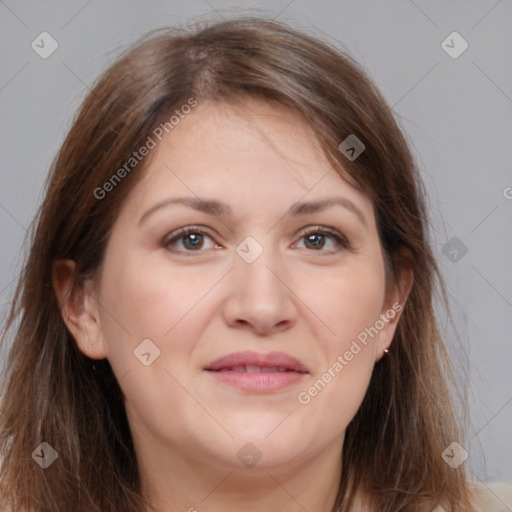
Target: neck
x=187 y=483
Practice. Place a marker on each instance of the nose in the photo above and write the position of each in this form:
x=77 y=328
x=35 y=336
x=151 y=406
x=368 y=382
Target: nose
x=260 y=297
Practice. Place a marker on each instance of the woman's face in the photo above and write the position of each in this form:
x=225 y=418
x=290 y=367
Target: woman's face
x=188 y=321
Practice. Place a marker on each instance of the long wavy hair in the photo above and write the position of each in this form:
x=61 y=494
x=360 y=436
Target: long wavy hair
x=54 y=393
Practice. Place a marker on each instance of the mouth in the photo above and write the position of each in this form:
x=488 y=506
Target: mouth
x=254 y=369
x=260 y=373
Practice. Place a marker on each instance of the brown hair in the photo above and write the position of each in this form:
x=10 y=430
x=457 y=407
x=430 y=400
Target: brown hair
x=52 y=393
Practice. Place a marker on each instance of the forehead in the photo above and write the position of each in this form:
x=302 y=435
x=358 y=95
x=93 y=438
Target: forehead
x=242 y=151
x=252 y=130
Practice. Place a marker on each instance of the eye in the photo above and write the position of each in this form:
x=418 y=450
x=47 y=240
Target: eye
x=316 y=238
x=191 y=237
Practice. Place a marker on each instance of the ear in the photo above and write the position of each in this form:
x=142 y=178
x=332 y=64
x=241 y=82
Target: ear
x=79 y=310
x=396 y=296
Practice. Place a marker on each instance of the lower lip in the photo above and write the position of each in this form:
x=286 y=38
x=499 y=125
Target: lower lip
x=261 y=382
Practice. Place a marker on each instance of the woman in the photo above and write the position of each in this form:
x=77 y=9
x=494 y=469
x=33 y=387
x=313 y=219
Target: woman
x=228 y=302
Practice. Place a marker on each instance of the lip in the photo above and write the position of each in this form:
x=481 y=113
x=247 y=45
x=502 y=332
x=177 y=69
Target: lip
x=279 y=371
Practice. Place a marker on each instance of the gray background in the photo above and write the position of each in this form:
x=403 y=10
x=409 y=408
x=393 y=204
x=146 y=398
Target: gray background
x=456 y=113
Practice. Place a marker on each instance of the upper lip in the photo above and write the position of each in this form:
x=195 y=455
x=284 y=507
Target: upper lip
x=269 y=360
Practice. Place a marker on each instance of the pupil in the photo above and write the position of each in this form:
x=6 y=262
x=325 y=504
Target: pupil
x=312 y=237
x=194 y=238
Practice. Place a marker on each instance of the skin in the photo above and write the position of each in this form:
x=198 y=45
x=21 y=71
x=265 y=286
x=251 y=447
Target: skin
x=309 y=301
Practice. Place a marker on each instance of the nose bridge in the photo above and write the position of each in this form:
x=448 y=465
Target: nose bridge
x=258 y=295
x=256 y=264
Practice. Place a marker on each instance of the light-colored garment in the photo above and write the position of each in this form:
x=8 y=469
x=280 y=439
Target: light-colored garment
x=493 y=497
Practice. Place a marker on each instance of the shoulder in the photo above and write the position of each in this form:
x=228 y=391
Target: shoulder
x=496 y=496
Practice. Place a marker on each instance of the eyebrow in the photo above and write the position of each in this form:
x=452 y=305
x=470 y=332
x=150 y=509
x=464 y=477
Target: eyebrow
x=221 y=209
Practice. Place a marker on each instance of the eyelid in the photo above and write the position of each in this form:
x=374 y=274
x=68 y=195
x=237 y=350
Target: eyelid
x=341 y=239
x=183 y=231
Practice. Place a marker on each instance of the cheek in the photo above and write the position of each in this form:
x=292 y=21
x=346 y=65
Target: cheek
x=161 y=304
x=150 y=299
x=336 y=396
x=156 y=302
x=349 y=304
x=335 y=391
x=347 y=301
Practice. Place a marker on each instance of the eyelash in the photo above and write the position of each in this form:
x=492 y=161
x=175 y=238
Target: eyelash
x=175 y=236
